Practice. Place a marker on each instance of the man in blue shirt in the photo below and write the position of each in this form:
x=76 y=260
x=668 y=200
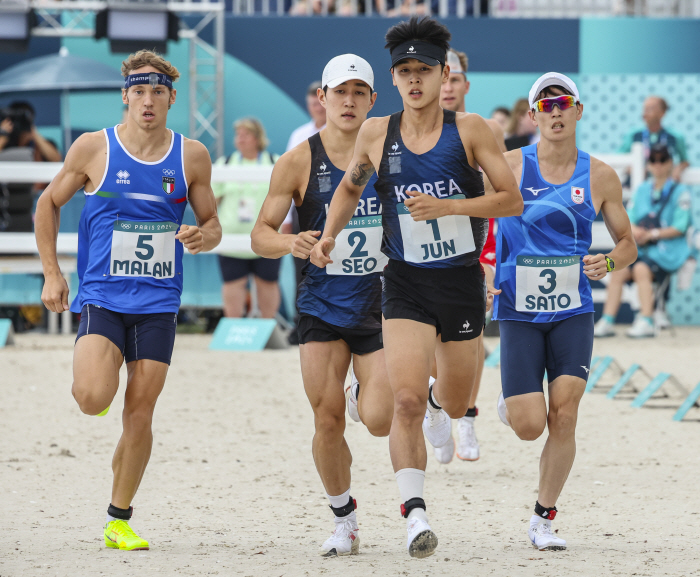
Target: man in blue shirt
x=660 y=215
x=655 y=108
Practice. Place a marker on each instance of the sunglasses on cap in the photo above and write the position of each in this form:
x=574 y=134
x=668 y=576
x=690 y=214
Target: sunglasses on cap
x=563 y=102
x=660 y=158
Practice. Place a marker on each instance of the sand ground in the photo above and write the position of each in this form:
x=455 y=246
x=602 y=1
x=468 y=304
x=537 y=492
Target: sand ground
x=231 y=488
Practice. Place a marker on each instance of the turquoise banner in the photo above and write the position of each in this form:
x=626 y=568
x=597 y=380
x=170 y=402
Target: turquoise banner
x=242 y=334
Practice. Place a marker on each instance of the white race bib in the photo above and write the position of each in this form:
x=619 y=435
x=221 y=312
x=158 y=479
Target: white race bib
x=435 y=239
x=143 y=249
x=547 y=283
x=357 y=249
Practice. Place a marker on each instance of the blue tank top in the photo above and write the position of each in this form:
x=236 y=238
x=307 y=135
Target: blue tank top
x=539 y=254
x=348 y=292
x=443 y=172
x=128 y=258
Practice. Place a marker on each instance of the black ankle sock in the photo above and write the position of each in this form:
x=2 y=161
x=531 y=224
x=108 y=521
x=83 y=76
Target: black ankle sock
x=545 y=512
x=473 y=412
x=118 y=513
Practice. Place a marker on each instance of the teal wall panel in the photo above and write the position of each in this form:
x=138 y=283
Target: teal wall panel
x=639 y=45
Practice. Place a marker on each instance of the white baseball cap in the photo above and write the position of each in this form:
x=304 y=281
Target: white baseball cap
x=551 y=79
x=454 y=62
x=347 y=67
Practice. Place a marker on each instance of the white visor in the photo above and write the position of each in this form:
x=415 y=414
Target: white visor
x=347 y=67
x=454 y=63
x=551 y=79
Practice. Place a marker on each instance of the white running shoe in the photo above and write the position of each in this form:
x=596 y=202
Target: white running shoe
x=345 y=540
x=422 y=542
x=501 y=408
x=603 y=328
x=661 y=320
x=641 y=328
x=437 y=427
x=351 y=398
x=445 y=453
x=468 y=445
x=542 y=537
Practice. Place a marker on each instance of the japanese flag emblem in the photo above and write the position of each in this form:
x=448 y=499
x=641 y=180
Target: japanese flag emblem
x=577 y=194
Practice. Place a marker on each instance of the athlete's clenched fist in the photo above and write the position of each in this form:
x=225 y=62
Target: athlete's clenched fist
x=55 y=293
x=191 y=237
x=321 y=254
x=423 y=206
x=303 y=243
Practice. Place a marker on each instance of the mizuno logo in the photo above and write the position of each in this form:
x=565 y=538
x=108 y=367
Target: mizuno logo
x=395 y=146
x=585 y=369
x=535 y=191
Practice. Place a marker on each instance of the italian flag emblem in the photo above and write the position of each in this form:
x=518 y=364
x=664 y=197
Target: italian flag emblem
x=168 y=185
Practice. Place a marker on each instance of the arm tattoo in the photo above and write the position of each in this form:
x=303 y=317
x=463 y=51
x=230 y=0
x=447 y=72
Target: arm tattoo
x=361 y=173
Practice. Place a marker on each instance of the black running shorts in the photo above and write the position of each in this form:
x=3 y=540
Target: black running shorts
x=360 y=341
x=138 y=337
x=453 y=300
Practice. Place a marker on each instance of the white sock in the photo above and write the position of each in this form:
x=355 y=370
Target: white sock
x=110 y=518
x=340 y=500
x=410 y=483
x=469 y=419
x=536 y=520
x=431 y=408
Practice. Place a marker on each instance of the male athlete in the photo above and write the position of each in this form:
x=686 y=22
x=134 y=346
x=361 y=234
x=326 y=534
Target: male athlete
x=138 y=178
x=426 y=160
x=452 y=95
x=545 y=308
x=339 y=306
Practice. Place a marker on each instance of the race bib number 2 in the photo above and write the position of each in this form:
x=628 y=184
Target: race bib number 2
x=547 y=283
x=357 y=249
x=143 y=249
x=435 y=239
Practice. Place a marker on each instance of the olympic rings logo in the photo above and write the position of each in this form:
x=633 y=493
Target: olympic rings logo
x=125 y=225
x=168 y=172
x=528 y=260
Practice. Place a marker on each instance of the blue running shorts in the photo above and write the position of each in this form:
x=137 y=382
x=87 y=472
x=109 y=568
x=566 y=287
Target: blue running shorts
x=528 y=349
x=138 y=337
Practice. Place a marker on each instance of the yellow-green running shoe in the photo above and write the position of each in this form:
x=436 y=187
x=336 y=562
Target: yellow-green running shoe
x=118 y=535
x=103 y=413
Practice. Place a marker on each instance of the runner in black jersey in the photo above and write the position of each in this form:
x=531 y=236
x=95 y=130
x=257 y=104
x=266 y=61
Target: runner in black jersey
x=427 y=163
x=340 y=306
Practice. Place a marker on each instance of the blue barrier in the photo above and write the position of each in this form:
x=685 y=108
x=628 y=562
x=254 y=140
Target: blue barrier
x=688 y=404
x=624 y=379
x=6 y=333
x=595 y=374
x=494 y=359
x=646 y=394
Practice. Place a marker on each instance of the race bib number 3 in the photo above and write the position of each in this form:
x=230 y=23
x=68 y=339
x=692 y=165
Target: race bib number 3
x=547 y=283
x=357 y=249
x=143 y=249
x=435 y=239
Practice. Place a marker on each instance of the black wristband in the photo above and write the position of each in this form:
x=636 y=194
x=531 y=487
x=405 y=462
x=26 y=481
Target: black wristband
x=5 y=133
x=344 y=511
x=117 y=513
x=411 y=504
x=545 y=512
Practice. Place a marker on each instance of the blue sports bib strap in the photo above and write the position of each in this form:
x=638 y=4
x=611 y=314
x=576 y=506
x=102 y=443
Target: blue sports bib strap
x=152 y=78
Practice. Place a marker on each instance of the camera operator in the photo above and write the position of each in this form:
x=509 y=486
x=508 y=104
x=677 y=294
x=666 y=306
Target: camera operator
x=17 y=129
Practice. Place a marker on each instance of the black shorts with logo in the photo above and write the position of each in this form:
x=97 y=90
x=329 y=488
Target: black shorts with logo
x=453 y=300
x=360 y=341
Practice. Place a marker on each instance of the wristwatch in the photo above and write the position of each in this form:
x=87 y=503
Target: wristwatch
x=610 y=262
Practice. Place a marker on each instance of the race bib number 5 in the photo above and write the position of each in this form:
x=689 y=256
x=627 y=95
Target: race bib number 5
x=435 y=239
x=143 y=249
x=357 y=249
x=547 y=283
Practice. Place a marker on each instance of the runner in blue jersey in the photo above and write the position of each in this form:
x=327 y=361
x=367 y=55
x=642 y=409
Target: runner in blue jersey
x=137 y=178
x=426 y=160
x=543 y=269
x=339 y=306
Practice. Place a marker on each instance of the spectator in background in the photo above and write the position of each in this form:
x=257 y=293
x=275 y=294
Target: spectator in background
x=521 y=130
x=654 y=110
x=239 y=204
x=660 y=215
x=318 y=117
x=502 y=116
x=17 y=129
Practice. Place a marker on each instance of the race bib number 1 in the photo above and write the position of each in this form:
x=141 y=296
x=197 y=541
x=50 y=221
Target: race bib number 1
x=143 y=249
x=547 y=283
x=435 y=239
x=357 y=249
